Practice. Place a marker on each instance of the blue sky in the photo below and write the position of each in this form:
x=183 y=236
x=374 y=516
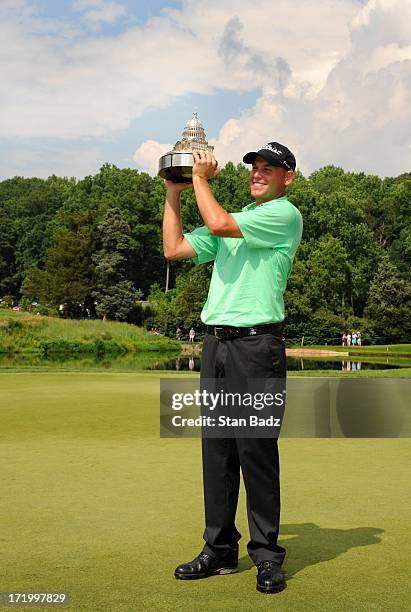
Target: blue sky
x=91 y=81
x=137 y=12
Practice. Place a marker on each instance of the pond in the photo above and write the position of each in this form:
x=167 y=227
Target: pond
x=184 y=363
x=187 y=363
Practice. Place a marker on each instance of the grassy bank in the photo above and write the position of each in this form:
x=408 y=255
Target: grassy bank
x=386 y=350
x=49 y=336
x=375 y=350
x=400 y=373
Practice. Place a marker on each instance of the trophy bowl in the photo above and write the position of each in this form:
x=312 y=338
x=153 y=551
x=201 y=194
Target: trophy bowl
x=176 y=166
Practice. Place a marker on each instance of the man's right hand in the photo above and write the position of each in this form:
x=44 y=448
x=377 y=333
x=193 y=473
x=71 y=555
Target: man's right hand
x=177 y=188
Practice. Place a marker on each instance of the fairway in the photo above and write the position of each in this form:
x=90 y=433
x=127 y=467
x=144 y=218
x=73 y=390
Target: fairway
x=95 y=504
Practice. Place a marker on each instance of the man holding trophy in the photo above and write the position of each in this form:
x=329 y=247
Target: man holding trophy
x=252 y=252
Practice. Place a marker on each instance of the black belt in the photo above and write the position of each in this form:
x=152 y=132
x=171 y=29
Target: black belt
x=227 y=332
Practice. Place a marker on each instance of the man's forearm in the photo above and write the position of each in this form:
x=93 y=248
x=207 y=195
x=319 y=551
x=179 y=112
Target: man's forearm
x=172 y=228
x=214 y=215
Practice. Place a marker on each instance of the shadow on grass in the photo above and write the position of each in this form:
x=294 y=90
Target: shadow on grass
x=312 y=544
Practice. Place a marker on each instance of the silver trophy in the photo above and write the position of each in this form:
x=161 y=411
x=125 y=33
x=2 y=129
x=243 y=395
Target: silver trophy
x=177 y=164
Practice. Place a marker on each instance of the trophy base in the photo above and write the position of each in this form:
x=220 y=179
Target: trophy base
x=176 y=166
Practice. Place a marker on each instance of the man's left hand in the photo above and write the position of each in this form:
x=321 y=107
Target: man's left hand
x=205 y=165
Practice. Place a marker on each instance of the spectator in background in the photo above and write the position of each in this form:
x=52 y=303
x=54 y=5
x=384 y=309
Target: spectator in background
x=354 y=339
x=344 y=339
x=191 y=335
x=359 y=338
x=348 y=339
x=178 y=333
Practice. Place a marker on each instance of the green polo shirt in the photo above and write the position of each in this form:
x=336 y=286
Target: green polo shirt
x=250 y=273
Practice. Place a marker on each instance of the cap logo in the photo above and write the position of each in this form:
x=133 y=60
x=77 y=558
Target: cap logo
x=269 y=147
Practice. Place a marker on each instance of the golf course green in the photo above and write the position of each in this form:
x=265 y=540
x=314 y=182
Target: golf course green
x=95 y=504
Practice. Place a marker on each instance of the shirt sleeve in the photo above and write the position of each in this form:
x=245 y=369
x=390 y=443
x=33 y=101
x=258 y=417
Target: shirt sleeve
x=204 y=244
x=275 y=225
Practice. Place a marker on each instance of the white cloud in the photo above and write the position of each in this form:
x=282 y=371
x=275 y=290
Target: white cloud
x=83 y=5
x=334 y=75
x=89 y=86
x=98 y=12
x=148 y=154
x=358 y=118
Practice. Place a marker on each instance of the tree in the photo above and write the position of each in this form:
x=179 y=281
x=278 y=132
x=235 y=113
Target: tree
x=36 y=286
x=389 y=303
x=28 y=210
x=49 y=234
x=181 y=306
x=328 y=281
x=298 y=309
x=163 y=314
x=68 y=278
x=140 y=198
x=115 y=294
x=191 y=294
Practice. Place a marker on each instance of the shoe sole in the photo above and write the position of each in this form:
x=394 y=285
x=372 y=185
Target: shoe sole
x=268 y=590
x=219 y=572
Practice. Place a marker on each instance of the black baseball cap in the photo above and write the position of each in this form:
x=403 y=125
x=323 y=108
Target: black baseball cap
x=275 y=153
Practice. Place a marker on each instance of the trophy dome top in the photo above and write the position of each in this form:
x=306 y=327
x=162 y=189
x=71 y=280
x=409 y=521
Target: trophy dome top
x=177 y=164
x=193 y=137
x=194 y=122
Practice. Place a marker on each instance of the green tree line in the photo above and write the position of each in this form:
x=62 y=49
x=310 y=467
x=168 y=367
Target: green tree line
x=93 y=247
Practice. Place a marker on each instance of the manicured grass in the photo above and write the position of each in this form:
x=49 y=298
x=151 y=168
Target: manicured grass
x=392 y=348
x=96 y=504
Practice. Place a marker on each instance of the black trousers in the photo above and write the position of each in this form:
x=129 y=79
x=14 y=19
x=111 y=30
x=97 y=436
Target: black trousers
x=260 y=356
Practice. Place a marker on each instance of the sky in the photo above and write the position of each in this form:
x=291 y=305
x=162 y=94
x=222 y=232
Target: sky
x=85 y=82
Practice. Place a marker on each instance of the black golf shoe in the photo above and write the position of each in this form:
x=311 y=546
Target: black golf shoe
x=206 y=565
x=270 y=577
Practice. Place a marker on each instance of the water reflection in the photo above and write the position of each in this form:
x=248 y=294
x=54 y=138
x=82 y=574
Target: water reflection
x=351 y=366
x=293 y=364
x=178 y=362
x=184 y=364
x=133 y=362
